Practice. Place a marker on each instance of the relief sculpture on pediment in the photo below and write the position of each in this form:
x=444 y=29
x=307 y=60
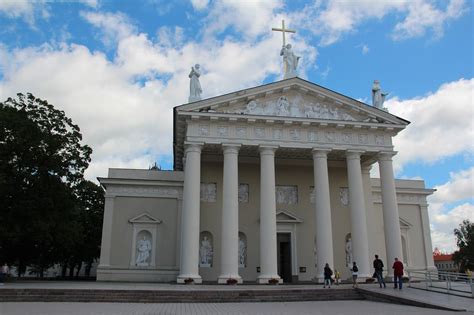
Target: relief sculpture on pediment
x=297 y=106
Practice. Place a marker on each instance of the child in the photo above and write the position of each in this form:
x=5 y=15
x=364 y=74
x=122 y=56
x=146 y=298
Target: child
x=355 y=273
x=337 y=276
x=327 y=275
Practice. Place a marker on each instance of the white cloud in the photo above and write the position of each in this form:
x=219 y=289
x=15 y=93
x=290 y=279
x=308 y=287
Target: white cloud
x=459 y=187
x=443 y=225
x=199 y=4
x=424 y=15
x=248 y=18
x=333 y=18
x=24 y=9
x=365 y=49
x=129 y=124
x=444 y=217
x=441 y=124
x=112 y=26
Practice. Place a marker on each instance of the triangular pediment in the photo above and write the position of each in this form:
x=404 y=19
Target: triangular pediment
x=145 y=218
x=292 y=98
x=404 y=224
x=287 y=217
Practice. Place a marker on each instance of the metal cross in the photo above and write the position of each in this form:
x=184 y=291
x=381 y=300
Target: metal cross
x=283 y=30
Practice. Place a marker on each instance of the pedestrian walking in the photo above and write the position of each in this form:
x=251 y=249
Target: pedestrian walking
x=355 y=274
x=378 y=266
x=337 y=276
x=397 y=273
x=327 y=275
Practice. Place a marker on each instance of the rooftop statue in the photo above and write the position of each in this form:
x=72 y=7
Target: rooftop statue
x=378 y=97
x=194 y=85
x=290 y=60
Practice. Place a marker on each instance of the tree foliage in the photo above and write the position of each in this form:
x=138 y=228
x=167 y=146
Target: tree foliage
x=46 y=203
x=464 y=257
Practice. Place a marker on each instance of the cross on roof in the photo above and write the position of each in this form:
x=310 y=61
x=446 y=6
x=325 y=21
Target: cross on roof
x=283 y=30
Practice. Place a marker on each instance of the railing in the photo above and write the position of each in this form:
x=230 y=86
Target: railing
x=447 y=282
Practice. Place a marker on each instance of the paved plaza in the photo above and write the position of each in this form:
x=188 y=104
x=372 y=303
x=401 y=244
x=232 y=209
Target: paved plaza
x=283 y=308
x=312 y=307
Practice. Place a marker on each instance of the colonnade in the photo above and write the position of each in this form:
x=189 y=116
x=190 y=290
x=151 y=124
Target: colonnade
x=190 y=218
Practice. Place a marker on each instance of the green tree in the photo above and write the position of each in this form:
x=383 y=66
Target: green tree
x=42 y=161
x=464 y=257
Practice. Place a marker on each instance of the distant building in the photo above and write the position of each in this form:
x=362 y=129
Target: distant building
x=444 y=262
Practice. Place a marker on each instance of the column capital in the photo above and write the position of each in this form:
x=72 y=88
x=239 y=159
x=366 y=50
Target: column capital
x=353 y=154
x=231 y=148
x=386 y=155
x=193 y=146
x=267 y=149
x=320 y=152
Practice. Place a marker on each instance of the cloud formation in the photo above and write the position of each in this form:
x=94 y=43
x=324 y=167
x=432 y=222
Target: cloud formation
x=333 y=19
x=437 y=122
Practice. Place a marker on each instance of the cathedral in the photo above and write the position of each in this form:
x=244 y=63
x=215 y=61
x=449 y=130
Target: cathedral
x=269 y=184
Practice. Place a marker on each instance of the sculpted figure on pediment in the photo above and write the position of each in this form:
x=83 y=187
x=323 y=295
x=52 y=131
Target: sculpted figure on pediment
x=283 y=106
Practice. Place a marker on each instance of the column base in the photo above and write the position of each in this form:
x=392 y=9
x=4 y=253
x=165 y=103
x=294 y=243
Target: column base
x=264 y=279
x=224 y=279
x=186 y=279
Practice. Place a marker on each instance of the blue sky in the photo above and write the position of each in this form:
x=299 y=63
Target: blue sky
x=119 y=67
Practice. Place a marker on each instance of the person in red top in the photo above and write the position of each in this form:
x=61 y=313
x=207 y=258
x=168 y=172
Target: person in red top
x=397 y=273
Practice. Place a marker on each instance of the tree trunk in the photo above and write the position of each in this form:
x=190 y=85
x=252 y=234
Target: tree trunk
x=79 y=266
x=88 y=269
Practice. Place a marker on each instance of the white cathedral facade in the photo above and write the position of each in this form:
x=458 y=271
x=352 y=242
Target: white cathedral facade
x=269 y=184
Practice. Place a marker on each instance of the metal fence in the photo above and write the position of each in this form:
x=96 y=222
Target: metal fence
x=447 y=282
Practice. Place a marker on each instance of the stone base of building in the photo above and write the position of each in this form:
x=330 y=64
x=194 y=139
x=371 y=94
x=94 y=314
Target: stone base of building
x=136 y=275
x=267 y=279
x=186 y=279
x=224 y=279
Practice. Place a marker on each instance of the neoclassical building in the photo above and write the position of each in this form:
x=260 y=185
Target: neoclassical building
x=270 y=182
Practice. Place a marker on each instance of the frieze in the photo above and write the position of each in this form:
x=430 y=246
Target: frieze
x=222 y=131
x=143 y=191
x=295 y=134
x=401 y=198
x=260 y=132
x=379 y=139
x=241 y=132
x=291 y=107
x=208 y=192
x=204 y=130
x=287 y=195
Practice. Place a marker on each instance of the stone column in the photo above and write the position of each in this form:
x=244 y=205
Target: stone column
x=190 y=216
x=425 y=222
x=391 y=218
x=268 y=242
x=360 y=243
x=107 y=232
x=230 y=216
x=324 y=244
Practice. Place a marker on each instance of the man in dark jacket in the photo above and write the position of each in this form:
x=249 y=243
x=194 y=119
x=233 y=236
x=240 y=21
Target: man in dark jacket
x=378 y=266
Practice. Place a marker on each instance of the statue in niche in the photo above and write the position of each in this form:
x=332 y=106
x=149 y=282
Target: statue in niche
x=144 y=250
x=194 y=84
x=349 y=252
x=242 y=252
x=205 y=252
x=243 y=193
x=290 y=61
x=344 y=195
x=283 y=106
x=378 y=97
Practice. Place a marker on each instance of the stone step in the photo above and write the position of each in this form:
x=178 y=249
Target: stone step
x=176 y=296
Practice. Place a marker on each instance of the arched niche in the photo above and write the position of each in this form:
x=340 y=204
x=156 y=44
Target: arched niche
x=206 y=249
x=143 y=254
x=348 y=249
x=242 y=250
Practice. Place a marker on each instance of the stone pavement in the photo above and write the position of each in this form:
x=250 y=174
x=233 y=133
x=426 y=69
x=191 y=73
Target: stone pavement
x=303 y=307
x=276 y=308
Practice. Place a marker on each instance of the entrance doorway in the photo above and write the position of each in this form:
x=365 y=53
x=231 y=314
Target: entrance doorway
x=284 y=256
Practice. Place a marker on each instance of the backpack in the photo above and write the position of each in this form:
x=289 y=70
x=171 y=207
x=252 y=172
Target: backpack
x=355 y=269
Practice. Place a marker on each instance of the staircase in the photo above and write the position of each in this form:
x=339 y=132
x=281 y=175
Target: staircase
x=176 y=296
